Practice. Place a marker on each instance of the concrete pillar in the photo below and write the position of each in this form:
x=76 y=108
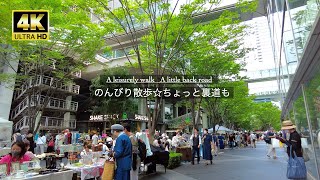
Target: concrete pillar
x=175 y=111
x=67 y=115
x=6 y=89
x=205 y=120
x=163 y=129
x=142 y=110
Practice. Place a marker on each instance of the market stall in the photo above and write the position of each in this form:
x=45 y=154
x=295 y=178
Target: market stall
x=186 y=153
x=87 y=167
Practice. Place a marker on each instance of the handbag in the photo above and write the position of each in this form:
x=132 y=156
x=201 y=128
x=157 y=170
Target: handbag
x=275 y=143
x=296 y=168
x=305 y=155
x=108 y=170
x=304 y=143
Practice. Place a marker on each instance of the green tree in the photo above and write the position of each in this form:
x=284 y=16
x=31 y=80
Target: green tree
x=111 y=105
x=232 y=112
x=266 y=115
x=74 y=40
x=165 y=38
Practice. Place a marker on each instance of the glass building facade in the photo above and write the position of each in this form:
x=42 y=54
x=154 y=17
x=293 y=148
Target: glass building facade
x=295 y=28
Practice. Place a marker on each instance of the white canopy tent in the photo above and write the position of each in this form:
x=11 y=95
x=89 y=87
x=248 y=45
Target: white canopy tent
x=6 y=132
x=220 y=130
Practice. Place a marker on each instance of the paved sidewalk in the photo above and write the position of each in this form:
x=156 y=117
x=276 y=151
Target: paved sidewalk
x=231 y=164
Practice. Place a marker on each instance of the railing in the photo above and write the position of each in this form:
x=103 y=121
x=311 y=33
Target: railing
x=46 y=80
x=21 y=107
x=21 y=123
x=53 y=103
x=46 y=122
x=265 y=93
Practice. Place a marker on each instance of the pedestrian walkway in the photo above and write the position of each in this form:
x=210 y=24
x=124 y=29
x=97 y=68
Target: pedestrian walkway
x=231 y=164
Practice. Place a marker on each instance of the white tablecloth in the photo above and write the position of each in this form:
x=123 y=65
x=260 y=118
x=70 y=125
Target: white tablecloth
x=64 y=175
x=87 y=172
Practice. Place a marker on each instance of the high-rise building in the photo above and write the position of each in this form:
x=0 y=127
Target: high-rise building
x=295 y=28
x=260 y=63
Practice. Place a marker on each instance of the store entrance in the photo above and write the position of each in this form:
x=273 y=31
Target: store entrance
x=96 y=126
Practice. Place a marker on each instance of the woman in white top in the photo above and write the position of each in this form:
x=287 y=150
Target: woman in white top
x=86 y=151
x=41 y=142
x=105 y=149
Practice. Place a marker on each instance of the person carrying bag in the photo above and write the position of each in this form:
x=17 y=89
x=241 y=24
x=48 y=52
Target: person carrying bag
x=296 y=168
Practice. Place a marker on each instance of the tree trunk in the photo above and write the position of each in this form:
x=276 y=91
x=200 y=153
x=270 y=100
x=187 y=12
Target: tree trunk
x=193 y=104
x=198 y=112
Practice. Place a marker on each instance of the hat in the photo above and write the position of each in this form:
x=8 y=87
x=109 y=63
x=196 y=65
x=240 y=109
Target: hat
x=287 y=125
x=117 y=127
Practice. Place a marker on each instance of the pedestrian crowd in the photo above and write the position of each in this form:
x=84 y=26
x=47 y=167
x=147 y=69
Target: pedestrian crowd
x=129 y=149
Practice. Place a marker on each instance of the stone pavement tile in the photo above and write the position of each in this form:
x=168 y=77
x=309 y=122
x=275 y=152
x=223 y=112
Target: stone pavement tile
x=236 y=164
x=169 y=175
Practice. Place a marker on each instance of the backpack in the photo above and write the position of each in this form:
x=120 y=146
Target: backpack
x=142 y=150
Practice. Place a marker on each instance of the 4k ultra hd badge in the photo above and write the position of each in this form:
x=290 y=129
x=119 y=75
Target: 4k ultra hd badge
x=30 y=25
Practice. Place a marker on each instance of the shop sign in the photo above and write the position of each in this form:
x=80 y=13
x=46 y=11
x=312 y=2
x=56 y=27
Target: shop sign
x=141 y=118
x=104 y=117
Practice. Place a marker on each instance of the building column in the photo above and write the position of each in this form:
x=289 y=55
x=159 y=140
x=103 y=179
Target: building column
x=205 y=121
x=175 y=111
x=67 y=115
x=142 y=110
x=6 y=89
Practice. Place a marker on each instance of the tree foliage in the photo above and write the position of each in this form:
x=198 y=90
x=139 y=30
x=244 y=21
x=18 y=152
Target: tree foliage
x=73 y=41
x=172 y=39
x=111 y=105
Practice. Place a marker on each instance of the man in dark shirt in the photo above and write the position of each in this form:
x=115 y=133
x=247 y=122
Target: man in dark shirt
x=195 y=140
x=272 y=150
x=231 y=140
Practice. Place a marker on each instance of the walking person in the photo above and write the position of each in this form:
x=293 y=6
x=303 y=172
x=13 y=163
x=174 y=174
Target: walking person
x=195 y=142
x=122 y=153
x=238 y=140
x=215 y=144
x=294 y=148
x=253 y=138
x=134 y=173
x=271 y=149
x=41 y=143
x=30 y=138
x=207 y=143
x=51 y=143
x=231 y=140
x=59 y=141
x=95 y=139
x=249 y=139
x=221 y=141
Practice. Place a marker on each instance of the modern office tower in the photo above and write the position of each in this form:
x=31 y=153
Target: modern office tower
x=295 y=27
x=260 y=63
